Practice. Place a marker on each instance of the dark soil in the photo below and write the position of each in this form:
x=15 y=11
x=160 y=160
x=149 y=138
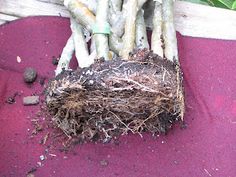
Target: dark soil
x=32 y=170
x=42 y=81
x=30 y=75
x=55 y=60
x=112 y=98
x=11 y=99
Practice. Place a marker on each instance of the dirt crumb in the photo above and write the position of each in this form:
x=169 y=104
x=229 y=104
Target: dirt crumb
x=104 y=163
x=30 y=75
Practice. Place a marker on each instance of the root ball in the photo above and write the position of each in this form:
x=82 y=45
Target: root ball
x=112 y=98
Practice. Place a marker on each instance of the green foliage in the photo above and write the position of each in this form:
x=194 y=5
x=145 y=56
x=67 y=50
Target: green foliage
x=227 y=4
x=234 y=5
x=198 y=1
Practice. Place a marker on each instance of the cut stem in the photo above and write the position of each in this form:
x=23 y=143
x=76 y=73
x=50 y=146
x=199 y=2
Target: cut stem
x=81 y=49
x=116 y=20
x=119 y=26
x=169 y=33
x=115 y=43
x=141 y=32
x=116 y=5
x=156 y=41
x=81 y=13
x=92 y=45
x=116 y=17
x=171 y=49
x=90 y=4
x=101 y=38
x=130 y=28
x=118 y=23
x=66 y=56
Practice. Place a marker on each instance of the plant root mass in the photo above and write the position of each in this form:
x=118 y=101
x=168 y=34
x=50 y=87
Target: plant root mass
x=112 y=98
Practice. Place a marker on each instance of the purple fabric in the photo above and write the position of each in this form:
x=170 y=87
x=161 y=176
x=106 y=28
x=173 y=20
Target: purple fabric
x=207 y=147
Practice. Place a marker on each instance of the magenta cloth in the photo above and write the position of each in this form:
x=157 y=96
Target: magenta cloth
x=207 y=147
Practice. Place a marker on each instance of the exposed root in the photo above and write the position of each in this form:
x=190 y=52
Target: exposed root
x=113 y=98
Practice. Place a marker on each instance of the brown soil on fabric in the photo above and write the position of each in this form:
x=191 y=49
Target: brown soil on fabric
x=112 y=98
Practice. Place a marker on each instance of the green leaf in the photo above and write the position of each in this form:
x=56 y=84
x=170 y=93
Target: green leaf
x=204 y=2
x=228 y=3
x=234 y=5
x=217 y=3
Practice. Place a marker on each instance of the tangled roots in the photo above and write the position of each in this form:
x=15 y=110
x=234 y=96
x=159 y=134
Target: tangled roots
x=112 y=98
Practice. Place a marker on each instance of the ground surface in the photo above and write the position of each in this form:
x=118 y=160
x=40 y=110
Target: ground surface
x=205 y=148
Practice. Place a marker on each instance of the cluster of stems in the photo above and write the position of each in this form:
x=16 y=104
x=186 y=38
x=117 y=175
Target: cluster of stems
x=115 y=28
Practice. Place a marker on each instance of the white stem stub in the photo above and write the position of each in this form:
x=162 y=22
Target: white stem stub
x=130 y=28
x=169 y=33
x=81 y=49
x=141 y=32
x=156 y=41
x=100 y=29
x=66 y=56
